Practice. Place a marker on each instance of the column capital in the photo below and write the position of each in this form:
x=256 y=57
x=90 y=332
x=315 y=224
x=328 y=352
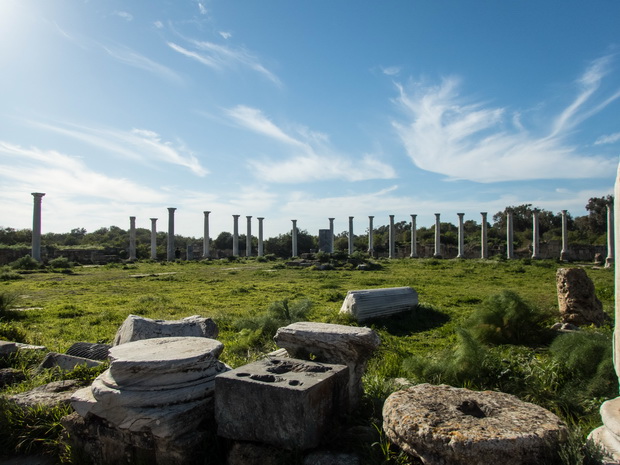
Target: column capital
x=206 y=213
x=260 y=218
x=171 y=209
x=248 y=217
x=38 y=195
x=236 y=216
x=153 y=219
x=371 y=216
x=437 y=215
x=392 y=216
x=413 y=215
x=461 y=214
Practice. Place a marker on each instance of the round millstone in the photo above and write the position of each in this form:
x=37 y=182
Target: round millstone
x=443 y=425
x=152 y=359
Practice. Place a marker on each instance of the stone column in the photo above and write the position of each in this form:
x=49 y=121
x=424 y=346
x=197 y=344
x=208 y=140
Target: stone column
x=391 y=238
x=331 y=229
x=350 y=235
x=260 y=236
x=564 y=251
x=484 y=245
x=509 y=236
x=236 y=235
x=437 y=253
x=36 y=226
x=414 y=239
x=153 y=238
x=609 y=261
x=294 y=237
x=371 y=236
x=248 y=237
x=535 y=234
x=170 y=251
x=132 y=238
x=206 y=240
x=461 y=248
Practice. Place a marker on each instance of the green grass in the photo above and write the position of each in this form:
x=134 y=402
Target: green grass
x=245 y=298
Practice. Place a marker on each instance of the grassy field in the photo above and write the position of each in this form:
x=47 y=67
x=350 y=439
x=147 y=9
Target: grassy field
x=248 y=299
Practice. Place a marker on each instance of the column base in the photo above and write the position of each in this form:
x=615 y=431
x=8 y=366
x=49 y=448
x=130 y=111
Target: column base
x=609 y=262
x=608 y=435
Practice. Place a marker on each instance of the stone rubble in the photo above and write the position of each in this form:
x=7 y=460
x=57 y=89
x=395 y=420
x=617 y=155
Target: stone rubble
x=577 y=299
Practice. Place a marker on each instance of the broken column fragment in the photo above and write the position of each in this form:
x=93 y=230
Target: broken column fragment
x=135 y=328
x=377 y=303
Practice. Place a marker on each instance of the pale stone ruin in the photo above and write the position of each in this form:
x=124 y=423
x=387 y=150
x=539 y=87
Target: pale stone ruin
x=135 y=328
x=576 y=298
x=368 y=304
x=443 y=425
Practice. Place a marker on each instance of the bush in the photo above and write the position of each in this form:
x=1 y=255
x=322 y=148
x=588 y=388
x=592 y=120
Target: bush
x=507 y=319
x=7 y=300
x=61 y=262
x=25 y=263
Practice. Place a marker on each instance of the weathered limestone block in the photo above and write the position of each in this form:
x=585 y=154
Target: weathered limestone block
x=7 y=348
x=576 y=298
x=379 y=303
x=50 y=395
x=136 y=328
x=89 y=350
x=287 y=403
x=323 y=342
x=443 y=425
x=65 y=362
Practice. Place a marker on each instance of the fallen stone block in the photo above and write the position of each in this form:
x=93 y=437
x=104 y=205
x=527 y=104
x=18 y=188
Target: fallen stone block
x=379 y=303
x=9 y=376
x=7 y=348
x=445 y=425
x=286 y=403
x=50 y=395
x=329 y=343
x=136 y=328
x=65 y=362
x=577 y=299
x=89 y=350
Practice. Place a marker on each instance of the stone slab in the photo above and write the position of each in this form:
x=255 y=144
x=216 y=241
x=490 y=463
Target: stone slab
x=370 y=304
x=7 y=348
x=287 y=403
x=89 y=350
x=50 y=395
x=65 y=362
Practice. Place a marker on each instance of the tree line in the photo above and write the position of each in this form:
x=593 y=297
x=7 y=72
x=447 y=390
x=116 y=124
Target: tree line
x=590 y=229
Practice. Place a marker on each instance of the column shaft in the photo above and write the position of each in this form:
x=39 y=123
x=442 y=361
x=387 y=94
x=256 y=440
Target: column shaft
x=206 y=240
x=564 y=251
x=484 y=245
x=391 y=239
x=153 y=238
x=260 y=236
x=437 y=253
x=236 y=235
x=132 y=238
x=461 y=248
x=170 y=254
x=36 y=225
x=371 y=236
x=509 y=236
x=294 y=238
x=414 y=237
x=609 y=260
x=535 y=234
x=350 y=235
x=331 y=230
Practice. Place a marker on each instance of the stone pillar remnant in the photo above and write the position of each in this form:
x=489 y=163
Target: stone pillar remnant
x=331 y=228
x=371 y=236
x=461 y=249
x=484 y=246
x=391 y=238
x=36 y=226
x=509 y=235
x=437 y=253
x=609 y=260
x=132 y=238
x=206 y=250
x=170 y=252
x=564 y=251
x=248 y=237
x=535 y=234
x=294 y=237
x=153 y=238
x=414 y=239
x=236 y=235
x=350 y=235
x=260 y=236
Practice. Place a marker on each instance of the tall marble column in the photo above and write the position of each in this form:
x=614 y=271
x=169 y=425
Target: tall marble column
x=484 y=244
x=414 y=238
x=391 y=238
x=170 y=251
x=437 y=253
x=206 y=240
x=509 y=235
x=132 y=238
x=609 y=260
x=371 y=236
x=248 y=237
x=461 y=248
x=535 y=233
x=260 y=236
x=294 y=238
x=236 y=235
x=564 y=251
x=350 y=235
x=36 y=225
x=331 y=231
x=153 y=238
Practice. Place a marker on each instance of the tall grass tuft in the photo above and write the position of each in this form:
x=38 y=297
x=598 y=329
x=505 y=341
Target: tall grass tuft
x=506 y=318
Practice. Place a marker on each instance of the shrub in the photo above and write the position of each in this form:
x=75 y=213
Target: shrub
x=7 y=300
x=507 y=319
x=25 y=263
x=9 y=332
x=61 y=262
x=6 y=274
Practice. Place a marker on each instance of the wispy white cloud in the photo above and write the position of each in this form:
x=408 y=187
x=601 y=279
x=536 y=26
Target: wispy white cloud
x=477 y=142
x=138 y=144
x=124 y=15
x=315 y=158
x=135 y=59
x=222 y=57
x=608 y=139
x=158 y=24
x=225 y=35
x=391 y=70
x=203 y=10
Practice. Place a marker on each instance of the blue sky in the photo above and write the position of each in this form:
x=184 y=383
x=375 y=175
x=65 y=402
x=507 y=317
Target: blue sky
x=304 y=110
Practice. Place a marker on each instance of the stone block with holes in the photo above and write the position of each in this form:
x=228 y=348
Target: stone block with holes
x=284 y=402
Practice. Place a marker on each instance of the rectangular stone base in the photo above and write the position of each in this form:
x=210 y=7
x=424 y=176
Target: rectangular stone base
x=284 y=402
